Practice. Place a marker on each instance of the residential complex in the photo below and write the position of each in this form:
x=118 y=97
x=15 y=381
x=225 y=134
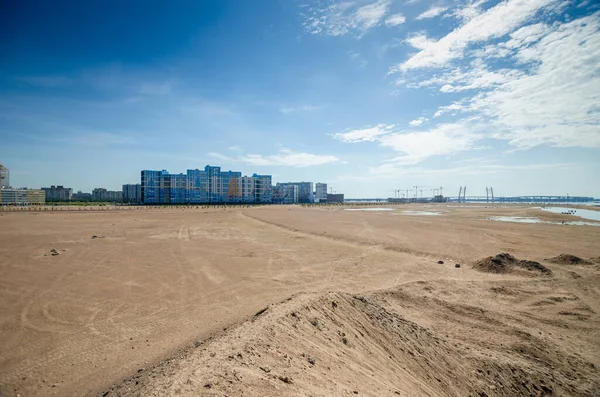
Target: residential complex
x=4 y=177
x=132 y=193
x=305 y=191
x=58 y=193
x=101 y=194
x=210 y=185
x=10 y=196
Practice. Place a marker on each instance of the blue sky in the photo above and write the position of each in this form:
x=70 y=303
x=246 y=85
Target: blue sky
x=369 y=96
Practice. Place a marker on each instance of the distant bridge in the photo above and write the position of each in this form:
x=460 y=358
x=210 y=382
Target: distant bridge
x=482 y=199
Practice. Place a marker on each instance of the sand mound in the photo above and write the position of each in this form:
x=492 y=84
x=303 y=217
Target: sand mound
x=506 y=263
x=342 y=344
x=566 y=259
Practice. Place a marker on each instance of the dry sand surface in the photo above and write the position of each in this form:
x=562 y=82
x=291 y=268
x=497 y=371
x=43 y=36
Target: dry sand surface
x=172 y=301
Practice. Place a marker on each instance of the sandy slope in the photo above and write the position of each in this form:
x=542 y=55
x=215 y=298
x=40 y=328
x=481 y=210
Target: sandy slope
x=158 y=280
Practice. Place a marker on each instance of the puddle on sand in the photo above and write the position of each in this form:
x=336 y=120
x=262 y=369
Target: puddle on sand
x=522 y=219
x=421 y=213
x=368 y=209
x=580 y=212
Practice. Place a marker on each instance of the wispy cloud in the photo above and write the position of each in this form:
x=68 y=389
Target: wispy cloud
x=221 y=157
x=369 y=134
x=553 y=101
x=445 y=139
x=431 y=12
x=395 y=20
x=349 y=17
x=494 y=23
x=288 y=158
x=358 y=59
x=417 y=122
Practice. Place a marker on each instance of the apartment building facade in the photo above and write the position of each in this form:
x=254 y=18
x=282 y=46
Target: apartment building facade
x=320 y=192
x=11 y=196
x=211 y=185
x=58 y=193
x=132 y=193
x=305 y=190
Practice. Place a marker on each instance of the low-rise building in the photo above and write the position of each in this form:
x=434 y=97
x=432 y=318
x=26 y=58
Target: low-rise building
x=335 y=198
x=101 y=194
x=22 y=196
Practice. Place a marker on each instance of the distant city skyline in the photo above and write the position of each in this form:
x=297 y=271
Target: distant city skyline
x=370 y=96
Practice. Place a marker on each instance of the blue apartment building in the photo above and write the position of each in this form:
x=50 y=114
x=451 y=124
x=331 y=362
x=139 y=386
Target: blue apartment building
x=210 y=185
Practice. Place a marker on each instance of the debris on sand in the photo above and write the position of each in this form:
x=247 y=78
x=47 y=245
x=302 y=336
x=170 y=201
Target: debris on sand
x=440 y=262
x=506 y=263
x=457 y=265
x=567 y=259
x=54 y=252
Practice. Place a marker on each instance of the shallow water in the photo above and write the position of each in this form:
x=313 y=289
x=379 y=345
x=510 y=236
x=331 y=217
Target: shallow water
x=369 y=209
x=522 y=219
x=423 y=213
x=580 y=212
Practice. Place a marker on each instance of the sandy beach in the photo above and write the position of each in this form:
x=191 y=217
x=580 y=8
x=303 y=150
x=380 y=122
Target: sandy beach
x=171 y=301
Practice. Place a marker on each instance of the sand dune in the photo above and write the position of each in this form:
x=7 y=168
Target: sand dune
x=343 y=344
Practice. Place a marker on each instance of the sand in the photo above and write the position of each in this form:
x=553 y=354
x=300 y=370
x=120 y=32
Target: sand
x=163 y=302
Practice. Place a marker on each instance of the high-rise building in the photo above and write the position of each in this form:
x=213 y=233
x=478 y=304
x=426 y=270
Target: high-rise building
x=263 y=189
x=197 y=186
x=213 y=184
x=320 y=192
x=132 y=193
x=231 y=185
x=248 y=189
x=58 y=193
x=150 y=186
x=4 y=177
x=305 y=191
x=210 y=185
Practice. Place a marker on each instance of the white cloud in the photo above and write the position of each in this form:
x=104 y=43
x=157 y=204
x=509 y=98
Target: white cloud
x=553 y=98
x=348 y=17
x=469 y=10
x=302 y=108
x=415 y=147
x=417 y=122
x=395 y=20
x=494 y=23
x=288 y=158
x=419 y=41
x=431 y=12
x=369 y=134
